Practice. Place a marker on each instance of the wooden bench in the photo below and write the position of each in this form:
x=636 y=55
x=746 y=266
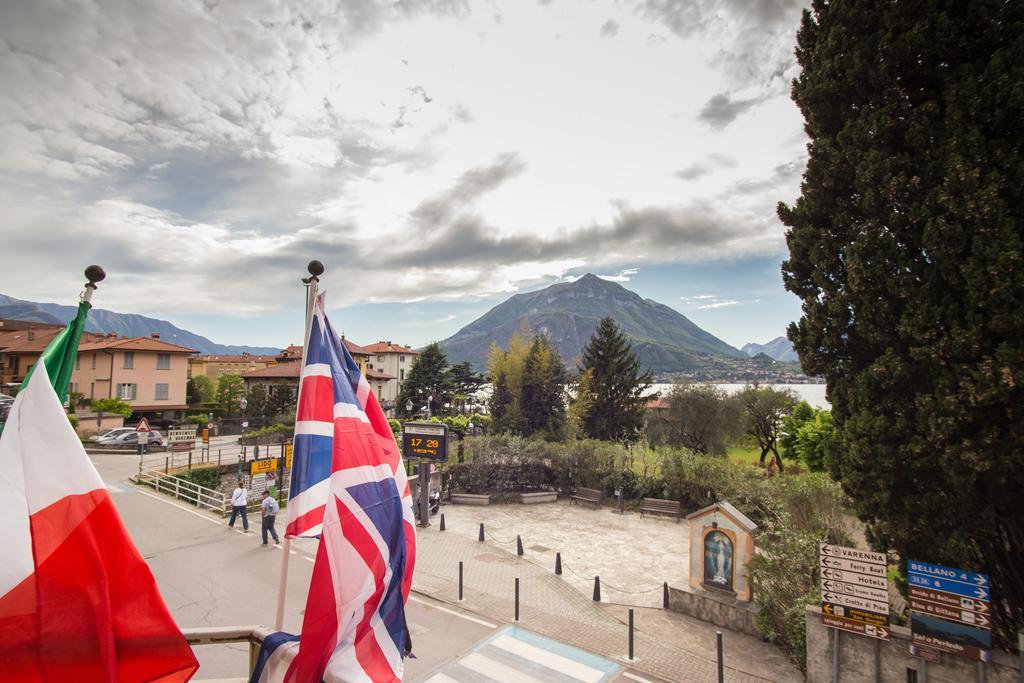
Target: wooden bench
x=664 y=507
x=583 y=495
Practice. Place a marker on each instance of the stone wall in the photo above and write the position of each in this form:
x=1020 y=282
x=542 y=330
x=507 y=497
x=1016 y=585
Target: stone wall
x=721 y=610
x=868 y=660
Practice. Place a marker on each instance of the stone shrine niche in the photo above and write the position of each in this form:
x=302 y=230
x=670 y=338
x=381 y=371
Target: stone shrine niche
x=721 y=547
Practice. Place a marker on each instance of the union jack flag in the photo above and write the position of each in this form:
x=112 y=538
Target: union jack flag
x=349 y=487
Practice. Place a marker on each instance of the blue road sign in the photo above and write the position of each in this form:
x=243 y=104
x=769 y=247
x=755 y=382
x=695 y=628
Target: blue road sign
x=937 y=571
x=955 y=587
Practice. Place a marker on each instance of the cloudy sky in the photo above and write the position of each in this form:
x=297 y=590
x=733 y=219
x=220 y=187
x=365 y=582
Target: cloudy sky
x=437 y=156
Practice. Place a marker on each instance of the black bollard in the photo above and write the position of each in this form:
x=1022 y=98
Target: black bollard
x=664 y=595
x=517 y=598
x=558 y=564
x=631 y=633
x=721 y=661
x=460 y=579
x=442 y=521
x=597 y=589
x=481 y=538
x=519 y=545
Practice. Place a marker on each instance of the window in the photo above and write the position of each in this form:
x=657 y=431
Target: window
x=127 y=391
x=78 y=362
x=129 y=360
x=401 y=359
x=163 y=361
x=94 y=361
x=15 y=362
x=161 y=392
x=380 y=358
x=401 y=375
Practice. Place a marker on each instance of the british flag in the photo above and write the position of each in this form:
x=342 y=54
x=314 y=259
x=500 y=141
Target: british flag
x=349 y=487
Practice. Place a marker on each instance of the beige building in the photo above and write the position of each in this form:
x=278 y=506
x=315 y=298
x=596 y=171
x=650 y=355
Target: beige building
x=147 y=372
x=393 y=360
x=213 y=366
x=384 y=385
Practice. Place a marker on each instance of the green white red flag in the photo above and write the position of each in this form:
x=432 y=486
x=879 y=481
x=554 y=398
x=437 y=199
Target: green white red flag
x=77 y=601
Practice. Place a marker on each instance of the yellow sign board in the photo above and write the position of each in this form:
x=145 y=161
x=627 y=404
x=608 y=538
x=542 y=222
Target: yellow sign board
x=288 y=456
x=264 y=465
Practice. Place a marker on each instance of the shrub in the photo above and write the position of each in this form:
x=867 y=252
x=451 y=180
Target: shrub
x=207 y=477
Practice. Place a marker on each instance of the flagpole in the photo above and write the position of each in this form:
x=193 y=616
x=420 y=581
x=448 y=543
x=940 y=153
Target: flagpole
x=316 y=269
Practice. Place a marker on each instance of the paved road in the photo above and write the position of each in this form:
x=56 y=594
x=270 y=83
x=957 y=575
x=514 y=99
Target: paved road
x=211 y=575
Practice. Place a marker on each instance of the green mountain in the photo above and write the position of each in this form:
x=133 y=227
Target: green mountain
x=665 y=340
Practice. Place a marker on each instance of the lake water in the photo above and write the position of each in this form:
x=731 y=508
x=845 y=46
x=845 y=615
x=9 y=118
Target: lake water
x=812 y=393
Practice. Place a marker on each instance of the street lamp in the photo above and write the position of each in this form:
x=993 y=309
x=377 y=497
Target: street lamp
x=243 y=403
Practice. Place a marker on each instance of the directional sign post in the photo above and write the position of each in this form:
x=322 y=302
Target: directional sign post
x=951 y=610
x=854 y=591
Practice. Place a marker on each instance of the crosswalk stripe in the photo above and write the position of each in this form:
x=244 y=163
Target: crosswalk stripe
x=440 y=678
x=496 y=671
x=564 y=665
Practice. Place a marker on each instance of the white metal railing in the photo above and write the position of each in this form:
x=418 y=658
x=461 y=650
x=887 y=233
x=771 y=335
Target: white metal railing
x=219 y=635
x=182 y=489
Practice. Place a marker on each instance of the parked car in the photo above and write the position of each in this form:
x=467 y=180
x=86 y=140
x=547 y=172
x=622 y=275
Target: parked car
x=112 y=433
x=154 y=440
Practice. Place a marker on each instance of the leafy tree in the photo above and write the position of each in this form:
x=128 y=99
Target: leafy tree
x=115 y=405
x=281 y=401
x=428 y=377
x=579 y=407
x=464 y=380
x=802 y=413
x=764 y=410
x=509 y=365
x=230 y=389
x=543 y=386
x=199 y=389
x=817 y=442
x=702 y=417
x=617 y=385
x=257 y=401
x=906 y=249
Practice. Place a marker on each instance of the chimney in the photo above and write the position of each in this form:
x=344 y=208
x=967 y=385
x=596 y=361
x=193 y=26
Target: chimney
x=156 y=335
x=31 y=335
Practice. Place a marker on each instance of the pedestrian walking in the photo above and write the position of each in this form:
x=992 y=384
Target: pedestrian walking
x=270 y=509
x=239 y=499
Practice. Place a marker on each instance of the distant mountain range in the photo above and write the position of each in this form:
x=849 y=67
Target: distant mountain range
x=664 y=340
x=779 y=348
x=125 y=324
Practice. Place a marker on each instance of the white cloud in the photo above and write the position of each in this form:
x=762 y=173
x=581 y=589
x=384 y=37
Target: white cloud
x=204 y=152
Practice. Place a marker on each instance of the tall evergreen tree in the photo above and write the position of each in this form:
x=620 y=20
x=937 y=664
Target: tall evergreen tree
x=543 y=393
x=500 y=405
x=906 y=250
x=428 y=377
x=617 y=385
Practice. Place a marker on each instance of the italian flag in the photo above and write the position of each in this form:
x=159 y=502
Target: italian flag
x=77 y=601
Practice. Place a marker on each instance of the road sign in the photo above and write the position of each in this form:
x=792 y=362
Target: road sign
x=952 y=613
x=853 y=601
x=939 y=572
x=926 y=653
x=855 y=589
x=950 y=610
x=206 y=435
x=263 y=465
x=855 y=578
x=288 y=456
x=947 y=636
x=863 y=616
x=880 y=632
x=848 y=565
x=842 y=552
x=973 y=604
x=425 y=440
x=143 y=426
x=947 y=586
